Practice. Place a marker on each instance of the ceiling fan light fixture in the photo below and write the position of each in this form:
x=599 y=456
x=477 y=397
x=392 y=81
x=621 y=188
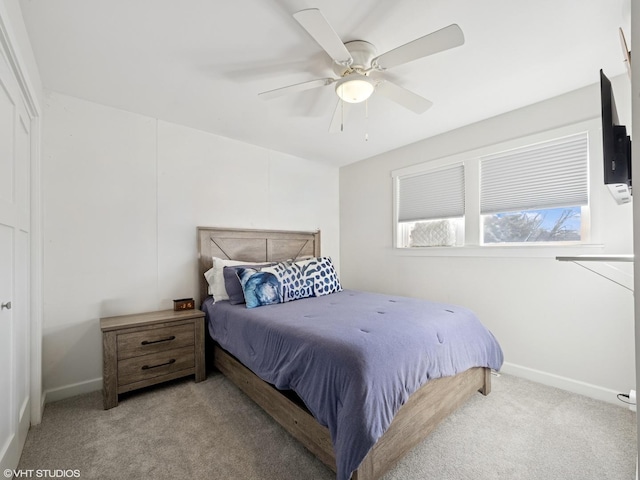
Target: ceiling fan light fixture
x=355 y=88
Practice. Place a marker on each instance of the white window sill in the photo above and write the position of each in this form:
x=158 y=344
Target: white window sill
x=503 y=251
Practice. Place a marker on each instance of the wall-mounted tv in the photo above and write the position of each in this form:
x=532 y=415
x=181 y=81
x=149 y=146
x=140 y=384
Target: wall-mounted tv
x=616 y=145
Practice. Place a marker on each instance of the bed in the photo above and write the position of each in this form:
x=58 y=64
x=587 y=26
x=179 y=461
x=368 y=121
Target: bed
x=374 y=449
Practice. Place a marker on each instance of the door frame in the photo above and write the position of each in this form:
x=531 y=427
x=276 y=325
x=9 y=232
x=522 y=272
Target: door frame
x=10 y=46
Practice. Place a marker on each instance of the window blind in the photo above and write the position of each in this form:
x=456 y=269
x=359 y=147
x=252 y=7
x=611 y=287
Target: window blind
x=431 y=195
x=546 y=175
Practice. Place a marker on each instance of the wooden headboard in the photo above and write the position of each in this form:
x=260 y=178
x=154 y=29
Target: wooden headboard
x=251 y=246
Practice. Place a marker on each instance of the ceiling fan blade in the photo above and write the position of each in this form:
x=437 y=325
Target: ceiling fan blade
x=443 y=39
x=317 y=26
x=298 y=87
x=404 y=97
x=339 y=116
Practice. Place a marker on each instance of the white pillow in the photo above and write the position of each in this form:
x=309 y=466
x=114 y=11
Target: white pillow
x=215 y=277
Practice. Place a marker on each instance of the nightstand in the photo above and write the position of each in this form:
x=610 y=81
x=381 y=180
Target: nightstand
x=148 y=348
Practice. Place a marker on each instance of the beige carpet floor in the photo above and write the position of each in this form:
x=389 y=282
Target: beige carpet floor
x=211 y=430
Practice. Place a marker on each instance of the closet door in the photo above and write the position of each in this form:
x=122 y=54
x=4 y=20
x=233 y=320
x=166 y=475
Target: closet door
x=14 y=269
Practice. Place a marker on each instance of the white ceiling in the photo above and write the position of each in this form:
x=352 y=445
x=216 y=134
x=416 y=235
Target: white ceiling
x=201 y=63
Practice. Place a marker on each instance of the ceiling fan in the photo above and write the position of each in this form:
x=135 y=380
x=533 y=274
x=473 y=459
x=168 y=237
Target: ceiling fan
x=355 y=61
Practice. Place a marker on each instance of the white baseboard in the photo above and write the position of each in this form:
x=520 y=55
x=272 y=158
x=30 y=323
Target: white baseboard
x=564 y=383
x=72 y=390
x=545 y=378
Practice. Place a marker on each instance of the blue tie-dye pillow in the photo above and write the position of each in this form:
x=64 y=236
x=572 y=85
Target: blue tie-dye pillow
x=260 y=288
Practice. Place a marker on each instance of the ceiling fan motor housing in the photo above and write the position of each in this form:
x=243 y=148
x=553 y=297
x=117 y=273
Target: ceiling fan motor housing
x=362 y=53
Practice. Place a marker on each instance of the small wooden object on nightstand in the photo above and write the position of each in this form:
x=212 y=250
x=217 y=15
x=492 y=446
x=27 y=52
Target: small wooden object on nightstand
x=148 y=348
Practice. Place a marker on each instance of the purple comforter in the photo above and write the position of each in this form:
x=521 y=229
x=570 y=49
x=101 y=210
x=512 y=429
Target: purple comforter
x=354 y=358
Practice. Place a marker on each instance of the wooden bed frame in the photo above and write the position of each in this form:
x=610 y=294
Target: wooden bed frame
x=415 y=420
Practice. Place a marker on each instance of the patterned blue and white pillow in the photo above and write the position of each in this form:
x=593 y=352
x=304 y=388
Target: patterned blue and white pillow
x=259 y=287
x=293 y=280
x=323 y=273
x=285 y=282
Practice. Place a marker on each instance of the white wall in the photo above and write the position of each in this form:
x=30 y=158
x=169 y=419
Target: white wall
x=557 y=322
x=123 y=195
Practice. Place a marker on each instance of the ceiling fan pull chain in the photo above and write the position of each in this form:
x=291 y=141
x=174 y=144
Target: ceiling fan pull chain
x=366 y=120
x=341 y=115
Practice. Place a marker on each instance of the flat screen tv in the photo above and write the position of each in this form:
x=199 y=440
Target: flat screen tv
x=616 y=145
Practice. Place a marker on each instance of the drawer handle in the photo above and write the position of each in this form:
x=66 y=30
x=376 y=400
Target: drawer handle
x=147 y=367
x=151 y=342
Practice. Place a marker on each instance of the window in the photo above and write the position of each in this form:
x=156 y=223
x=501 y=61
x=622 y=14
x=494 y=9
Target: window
x=547 y=225
x=431 y=207
x=523 y=192
x=535 y=193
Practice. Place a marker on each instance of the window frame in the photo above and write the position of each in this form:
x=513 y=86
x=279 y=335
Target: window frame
x=473 y=245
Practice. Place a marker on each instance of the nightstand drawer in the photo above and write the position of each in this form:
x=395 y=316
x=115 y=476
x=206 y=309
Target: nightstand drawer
x=141 y=368
x=155 y=340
